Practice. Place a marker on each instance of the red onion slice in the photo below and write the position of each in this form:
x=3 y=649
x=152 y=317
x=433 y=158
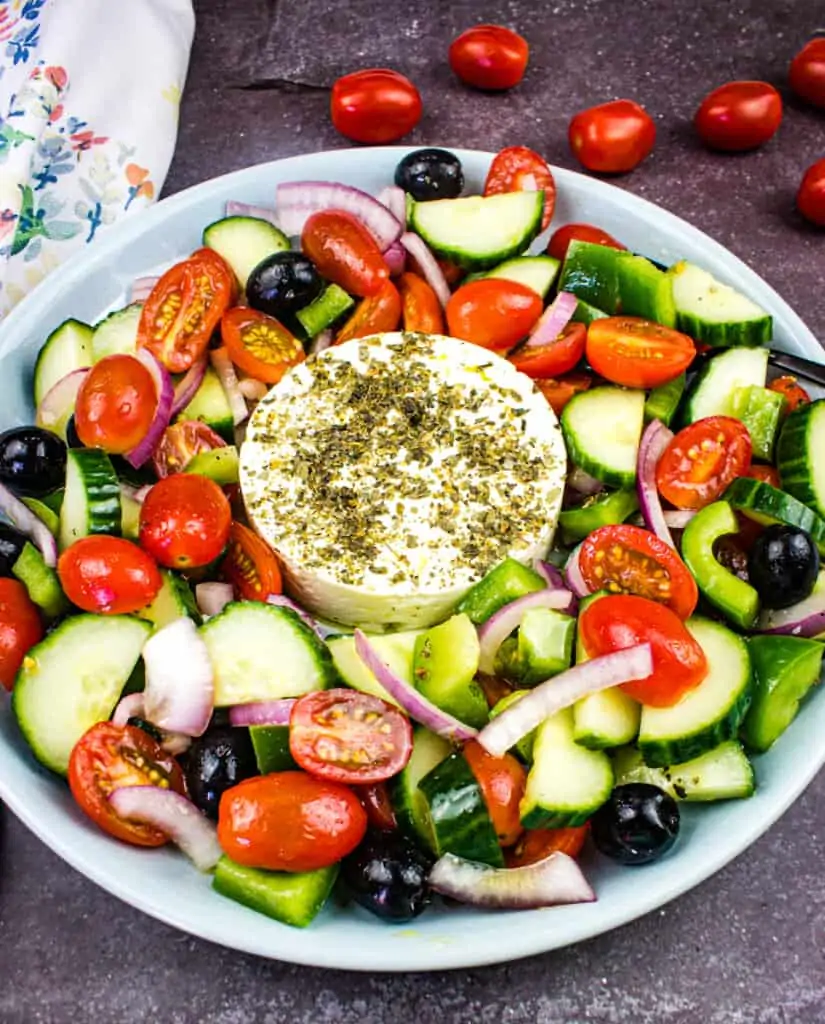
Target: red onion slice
x=561 y=691
x=321 y=342
x=433 y=274
x=142 y=288
x=550 y=574
x=282 y=601
x=22 y=518
x=395 y=200
x=262 y=712
x=174 y=815
x=142 y=451
x=296 y=201
x=229 y=382
x=58 y=403
x=396 y=257
x=180 y=689
x=553 y=320
x=212 y=598
x=416 y=706
x=187 y=386
x=493 y=632
x=583 y=483
x=677 y=519
x=237 y=209
x=806 y=618
x=130 y=706
x=651 y=448
x=137 y=494
x=252 y=390
x=573 y=574
x=555 y=880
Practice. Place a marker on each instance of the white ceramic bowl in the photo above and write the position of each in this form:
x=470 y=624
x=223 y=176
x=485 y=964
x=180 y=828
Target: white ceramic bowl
x=162 y=882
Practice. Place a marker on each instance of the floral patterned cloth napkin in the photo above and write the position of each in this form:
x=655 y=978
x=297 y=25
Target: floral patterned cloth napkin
x=89 y=96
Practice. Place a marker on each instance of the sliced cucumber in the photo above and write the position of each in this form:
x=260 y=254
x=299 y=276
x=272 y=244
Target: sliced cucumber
x=715 y=313
x=444 y=669
x=761 y=411
x=218 y=464
x=536 y=272
x=174 y=600
x=645 y=290
x=579 y=521
x=397 y=650
x=662 y=402
x=129 y=516
x=325 y=310
x=409 y=804
x=291 y=897
x=41 y=581
x=91 y=503
x=724 y=773
x=767 y=505
x=502 y=584
x=590 y=272
x=712 y=393
x=244 y=242
x=117 y=334
x=271 y=746
x=542 y=648
x=211 y=406
x=707 y=715
x=67 y=348
x=602 y=428
x=478 y=232
x=72 y=680
x=799 y=455
x=524 y=747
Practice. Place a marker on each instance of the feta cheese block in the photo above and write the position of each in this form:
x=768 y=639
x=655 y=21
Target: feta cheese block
x=390 y=473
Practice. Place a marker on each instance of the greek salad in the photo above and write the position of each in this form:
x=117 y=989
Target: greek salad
x=196 y=680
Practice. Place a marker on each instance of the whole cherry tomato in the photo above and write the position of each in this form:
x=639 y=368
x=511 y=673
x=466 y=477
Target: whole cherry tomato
x=375 y=105
x=489 y=57
x=563 y=236
x=420 y=308
x=637 y=353
x=810 y=199
x=702 y=459
x=180 y=443
x=792 y=391
x=739 y=116
x=115 y=404
x=108 y=575
x=502 y=781
x=20 y=628
x=519 y=169
x=259 y=344
x=807 y=72
x=185 y=521
x=553 y=358
x=250 y=565
x=344 y=252
x=374 y=315
x=492 y=312
x=613 y=137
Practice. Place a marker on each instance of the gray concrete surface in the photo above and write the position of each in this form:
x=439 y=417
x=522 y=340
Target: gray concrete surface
x=747 y=947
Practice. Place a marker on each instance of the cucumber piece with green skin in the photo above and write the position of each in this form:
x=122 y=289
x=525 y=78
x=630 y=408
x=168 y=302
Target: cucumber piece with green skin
x=263 y=652
x=644 y=290
x=271 y=746
x=524 y=747
x=117 y=333
x=428 y=750
x=218 y=464
x=211 y=406
x=455 y=814
x=291 y=897
x=599 y=510
x=709 y=714
x=567 y=783
x=662 y=402
x=397 y=651
x=174 y=600
x=767 y=505
x=712 y=391
x=590 y=272
x=724 y=773
x=72 y=680
x=715 y=313
x=602 y=429
x=67 y=348
x=542 y=648
x=48 y=516
x=536 y=272
x=784 y=670
x=585 y=314
x=91 y=502
x=325 y=310
x=129 y=516
x=445 y=663
x=735 y=598
x=761 y=411
x=502 y=584
x=41 y=581
x=799 y=455
x=479 y=232
x=244 y=242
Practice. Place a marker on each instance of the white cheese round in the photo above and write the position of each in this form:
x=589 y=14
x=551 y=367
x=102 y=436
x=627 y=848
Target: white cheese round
x=392 y=472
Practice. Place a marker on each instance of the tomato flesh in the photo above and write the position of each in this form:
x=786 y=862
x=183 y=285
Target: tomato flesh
x=502 y=781
x=375 y=105
x=739 y=116
x=489 y=57
x=250 y=565
x=554 y=358
x=115 y=404
x=20 y=628
x=792 y=391
x=562 y=237
x=493 y=313
x=259 y=344
x=420 y=309
x=180 y=443
x=807 y=72
x=768 y=475
x=558 y=392
x=810 y=199
x=344 y=252
x=637 y=353
x=538 y=843
x=377 y=314
x=108 y=575
x=185 y=521
x=702 y=460
x=612 y=138
x=614 y=623
x=519 y=169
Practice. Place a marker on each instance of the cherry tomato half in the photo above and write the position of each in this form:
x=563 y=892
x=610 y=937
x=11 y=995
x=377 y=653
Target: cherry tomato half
x=810 y=199
x=184 y=308
x=349 y=737
x=374 y=315
x=376 y=105
x=556 y=357
x=250 y=565
x=110 y=756
x=558 y=392
x=793 y=392
x=613 y=623
x=538 y=843
x=289 y=821
x=20 y=628
x=115 y=404
x=613 y=137
x=637 y=353
x=344 y=252
x=108 y=575
x=502 y=781
x=739 y=116
x=259 y=344
x=631 y=560
x=563 y=236
x=489 y=57
x=420 y=308
x=807 y=72
x=185 y=521
x=180 y=443
x=493 y=313
x=519 y=169
x=702 y=460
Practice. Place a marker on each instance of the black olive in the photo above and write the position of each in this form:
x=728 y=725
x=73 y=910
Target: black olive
x=11 y=544
x=783 y=565
x=283 y=283
x=638 y=824
x=430 y=174
x=32 y=460
x=387 y=875
x=72 y=437
x=147 y=727
x=220 y=759
x=729 y=552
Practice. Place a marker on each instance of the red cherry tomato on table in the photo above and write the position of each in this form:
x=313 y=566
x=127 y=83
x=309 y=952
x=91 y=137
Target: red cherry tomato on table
x=613 y=623
x=115 y=404
x=108 y=575
x=376 y=105
x=559 y=391
x=637 y=353
x=793 y=393
x=110 y=756
x=180 y=443
x=612 y=138
x=538 y=843
x=489 y=57
x=630 y=560
x=702 y=460
x=289 y=821
x=185 y=521
x=259 y=344
x=519 y=169
x=250 y=565
x=739 y=116
x=493 y=313
x=810 y=199
x=807 y=72
x=344 y=252
x=20 y=628
x=563 y=236
x=420 y=308
x=556 y=357
x=184 y=308
x=502 y=781
x=376 y=314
